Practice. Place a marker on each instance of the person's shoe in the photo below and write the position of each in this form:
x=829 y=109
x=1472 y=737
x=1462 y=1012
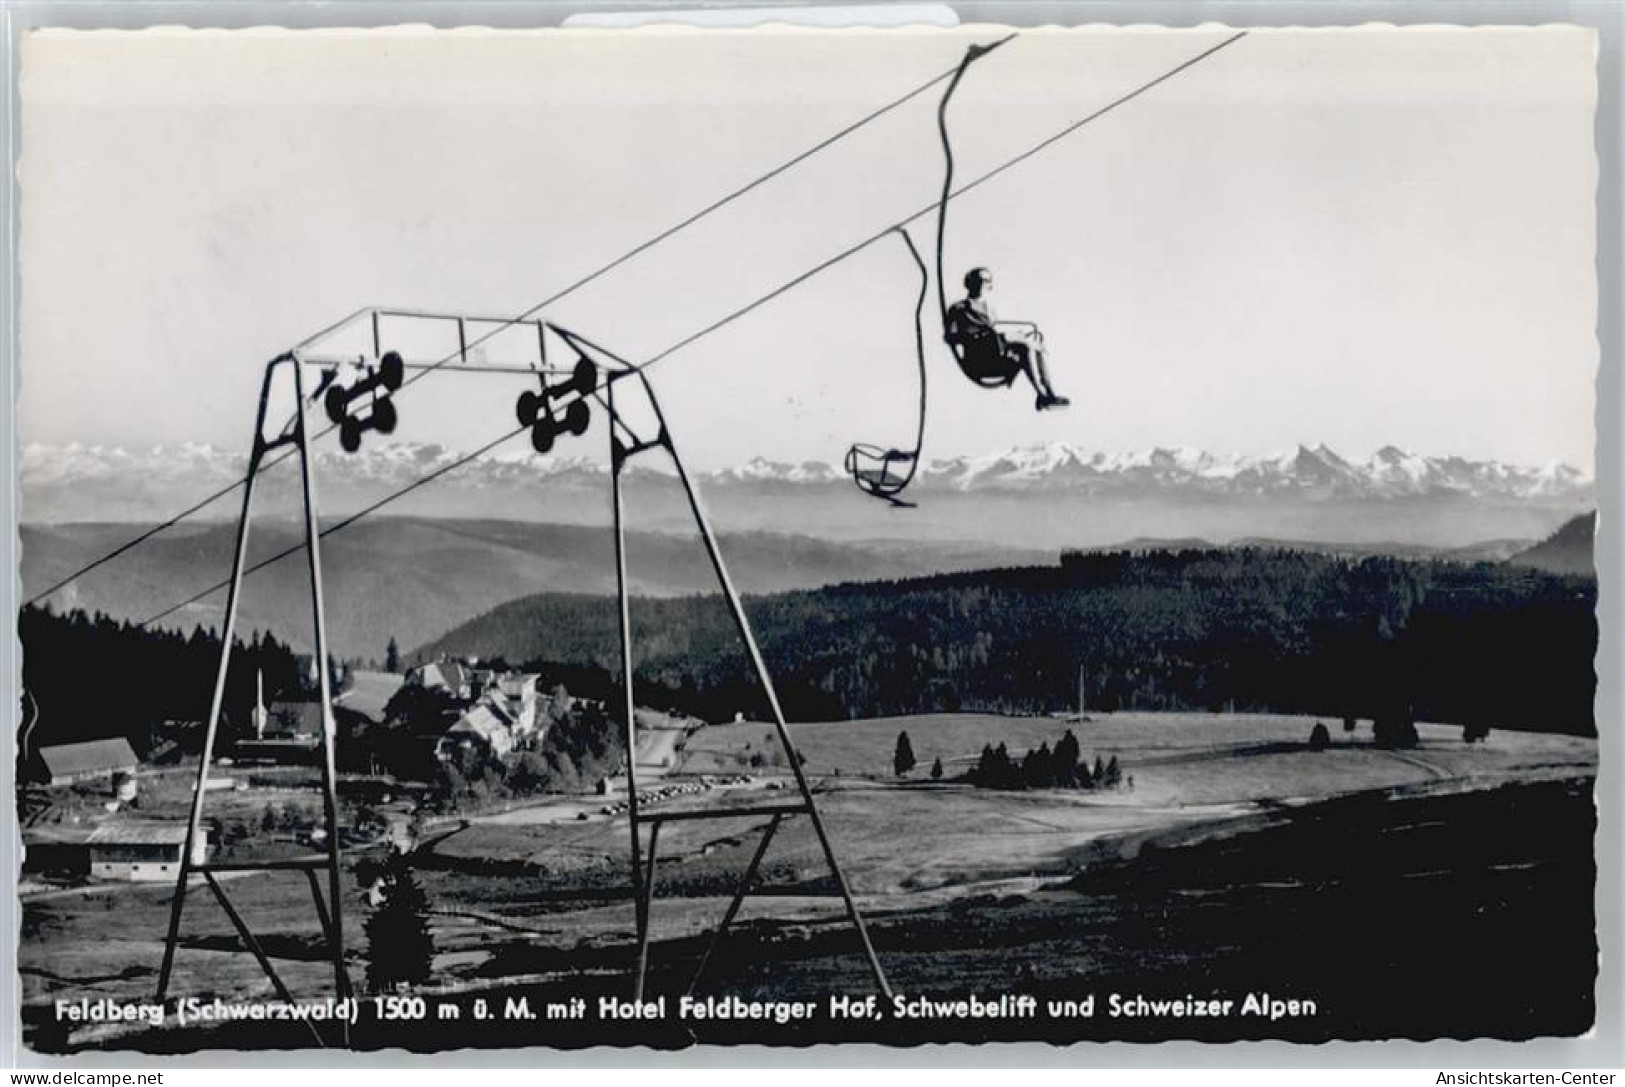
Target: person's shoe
x=1058 y=401
x=1049 y=400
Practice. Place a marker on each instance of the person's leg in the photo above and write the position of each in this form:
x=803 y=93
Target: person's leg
x=1022 y=356
x=1041 y=367
x=1029 y=356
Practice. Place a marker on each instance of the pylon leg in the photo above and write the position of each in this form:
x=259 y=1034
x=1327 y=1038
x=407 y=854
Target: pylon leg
x=640 y=903
x=329 y=914
x=738 y=900
x=227 y=633
x=646 y=908
x=759 y=666
x=313 y=556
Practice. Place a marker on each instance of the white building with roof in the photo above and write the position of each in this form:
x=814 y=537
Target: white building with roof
x=449 y=676
x=141 y=852
x=515 y=693
x=65 y=764
x=368 y=695
x=482 y=728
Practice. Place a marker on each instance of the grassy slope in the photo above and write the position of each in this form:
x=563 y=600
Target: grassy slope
x=1187 y=768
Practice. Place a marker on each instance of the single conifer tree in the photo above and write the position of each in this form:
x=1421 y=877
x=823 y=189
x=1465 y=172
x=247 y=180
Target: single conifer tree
x=400 y=948
x=1114 y=775
x=902 y=759
x=1064 y=761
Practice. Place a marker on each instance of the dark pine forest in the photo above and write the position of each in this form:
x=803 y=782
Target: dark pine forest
x=1494 y=645
x=90 y=676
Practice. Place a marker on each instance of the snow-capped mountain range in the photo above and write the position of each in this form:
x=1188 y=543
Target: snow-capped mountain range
x=56 y=479
x=1388 y=473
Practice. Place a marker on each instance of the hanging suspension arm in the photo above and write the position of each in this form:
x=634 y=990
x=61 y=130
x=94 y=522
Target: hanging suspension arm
x=871 y=466
x=972 y=55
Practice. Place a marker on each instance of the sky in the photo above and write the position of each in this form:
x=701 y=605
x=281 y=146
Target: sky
x=1350 y=237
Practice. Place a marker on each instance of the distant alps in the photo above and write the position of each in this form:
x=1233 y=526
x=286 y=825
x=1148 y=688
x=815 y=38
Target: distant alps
x=1040 y=496
x=78 y=482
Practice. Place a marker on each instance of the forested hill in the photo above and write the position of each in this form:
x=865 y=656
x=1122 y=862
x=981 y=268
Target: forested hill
x=1196 y=629
x=412 y=578
x=1569 y=550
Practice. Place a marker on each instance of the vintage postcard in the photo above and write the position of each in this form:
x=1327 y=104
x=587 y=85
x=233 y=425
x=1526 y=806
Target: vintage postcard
x=563 y=539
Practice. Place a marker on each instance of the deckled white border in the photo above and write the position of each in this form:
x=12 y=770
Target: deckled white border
x=1603 y=1047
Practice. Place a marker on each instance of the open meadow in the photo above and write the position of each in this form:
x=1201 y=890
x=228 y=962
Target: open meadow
x=964 y=887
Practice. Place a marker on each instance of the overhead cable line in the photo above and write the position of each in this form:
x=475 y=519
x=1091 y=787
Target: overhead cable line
x=585 y=280
x=136 y=541
x=902 y=223
x=741 y=312
x=338 y=526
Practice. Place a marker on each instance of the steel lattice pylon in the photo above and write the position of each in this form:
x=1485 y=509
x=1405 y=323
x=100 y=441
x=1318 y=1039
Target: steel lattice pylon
x=294 y=439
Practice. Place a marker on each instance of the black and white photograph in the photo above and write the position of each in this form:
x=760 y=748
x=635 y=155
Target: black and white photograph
x=579 y=539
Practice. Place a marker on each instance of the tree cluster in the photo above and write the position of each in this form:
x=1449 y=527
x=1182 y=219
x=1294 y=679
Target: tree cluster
x=1044 y=767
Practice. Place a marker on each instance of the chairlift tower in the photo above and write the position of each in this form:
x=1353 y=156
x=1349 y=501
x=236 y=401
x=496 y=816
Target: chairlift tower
x=560 y=407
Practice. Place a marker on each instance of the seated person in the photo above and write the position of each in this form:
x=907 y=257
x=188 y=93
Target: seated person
x=998 y=348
